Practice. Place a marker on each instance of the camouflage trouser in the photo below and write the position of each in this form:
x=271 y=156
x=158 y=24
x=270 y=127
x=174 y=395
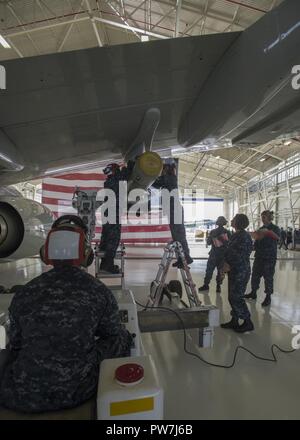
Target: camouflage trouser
x=4 y=355
x=263 y=268
x=237 y=284
x=214 y=261
x=110 y=239
x=283 y=243
x=178 y=234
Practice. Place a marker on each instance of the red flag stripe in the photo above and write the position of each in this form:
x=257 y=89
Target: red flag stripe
x=81 y=176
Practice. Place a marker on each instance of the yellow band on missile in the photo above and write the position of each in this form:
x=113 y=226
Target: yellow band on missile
x=150 y=164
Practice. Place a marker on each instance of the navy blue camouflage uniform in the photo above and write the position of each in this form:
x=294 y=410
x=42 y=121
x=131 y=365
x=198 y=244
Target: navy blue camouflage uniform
x=265 y=261
x=62 y=324
x=178 y=232
x=216 y=254
x=238 y=257
x=111 y=233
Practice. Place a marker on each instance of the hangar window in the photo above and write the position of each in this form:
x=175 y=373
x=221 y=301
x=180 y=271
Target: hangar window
x=281 y=177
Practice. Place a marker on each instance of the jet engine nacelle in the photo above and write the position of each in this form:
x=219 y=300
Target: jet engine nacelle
x=147 y=169
x=24 y=225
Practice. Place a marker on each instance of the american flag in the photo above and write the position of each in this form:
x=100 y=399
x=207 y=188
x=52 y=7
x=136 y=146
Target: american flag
x=57 y=193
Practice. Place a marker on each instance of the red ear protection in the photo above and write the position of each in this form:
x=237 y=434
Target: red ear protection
x=66 y=242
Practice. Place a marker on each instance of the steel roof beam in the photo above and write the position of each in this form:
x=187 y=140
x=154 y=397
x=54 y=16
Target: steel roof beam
x=15 y=15
x=94 y=24
x=177 y=18
x=68 y=31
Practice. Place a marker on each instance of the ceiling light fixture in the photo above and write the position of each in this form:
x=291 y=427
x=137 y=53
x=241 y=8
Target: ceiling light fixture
x=287 y=143
x=4 y=43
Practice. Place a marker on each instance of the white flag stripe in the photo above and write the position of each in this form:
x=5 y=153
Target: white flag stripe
x=162 y=234
x=62 y=210
x=57 y=195
x=73 y=183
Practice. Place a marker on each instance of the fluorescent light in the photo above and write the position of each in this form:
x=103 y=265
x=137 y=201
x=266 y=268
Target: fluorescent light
x=218 y=157
x=4 y=42
x=74 y=167
x=296 y=190
x=263 y=159
x=5 y=158
x=287 y=143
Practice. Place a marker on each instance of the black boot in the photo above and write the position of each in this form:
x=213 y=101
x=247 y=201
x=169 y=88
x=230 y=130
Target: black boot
x=231 y=325
x=267 y=301
x=178 y=264
x=107 y=265
x=189 y=259
x=247 y=326
x=218 y=288
x=204 y=288
x=251 y=295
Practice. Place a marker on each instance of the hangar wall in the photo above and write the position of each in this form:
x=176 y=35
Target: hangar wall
x=278 y=191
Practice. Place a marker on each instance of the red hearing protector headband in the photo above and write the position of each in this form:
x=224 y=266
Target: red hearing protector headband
x=67 y=242
x=54 y=253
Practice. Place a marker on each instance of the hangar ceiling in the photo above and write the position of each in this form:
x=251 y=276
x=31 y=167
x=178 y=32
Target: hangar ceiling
x=35 y=27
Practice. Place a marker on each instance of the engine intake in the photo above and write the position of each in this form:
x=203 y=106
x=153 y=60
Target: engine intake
x=11 y=230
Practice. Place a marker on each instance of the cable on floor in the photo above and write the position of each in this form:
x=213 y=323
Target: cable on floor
x=238 y=348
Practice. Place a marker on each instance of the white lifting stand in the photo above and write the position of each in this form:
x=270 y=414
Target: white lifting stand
x=101 y=274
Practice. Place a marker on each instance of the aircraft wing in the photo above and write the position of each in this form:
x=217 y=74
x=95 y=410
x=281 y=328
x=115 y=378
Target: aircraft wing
x=214 y=91
x=87 y=105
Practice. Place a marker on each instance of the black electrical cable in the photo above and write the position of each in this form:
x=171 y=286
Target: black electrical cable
x=239 y=347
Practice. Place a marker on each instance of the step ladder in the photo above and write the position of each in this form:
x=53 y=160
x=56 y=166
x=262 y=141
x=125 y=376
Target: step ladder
x=156 y=291
x=101 y=274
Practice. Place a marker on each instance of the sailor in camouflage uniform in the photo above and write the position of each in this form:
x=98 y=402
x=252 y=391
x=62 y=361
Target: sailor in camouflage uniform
x=62 y=324
x=111 y=232
x=168 y=180
x=237 y=265
x=218 y=240
x=266 y=240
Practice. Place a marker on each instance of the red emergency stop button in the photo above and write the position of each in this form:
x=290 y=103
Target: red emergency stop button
x=129 y=374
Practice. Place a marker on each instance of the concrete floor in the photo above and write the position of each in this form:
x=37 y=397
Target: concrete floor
x=252 y=389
